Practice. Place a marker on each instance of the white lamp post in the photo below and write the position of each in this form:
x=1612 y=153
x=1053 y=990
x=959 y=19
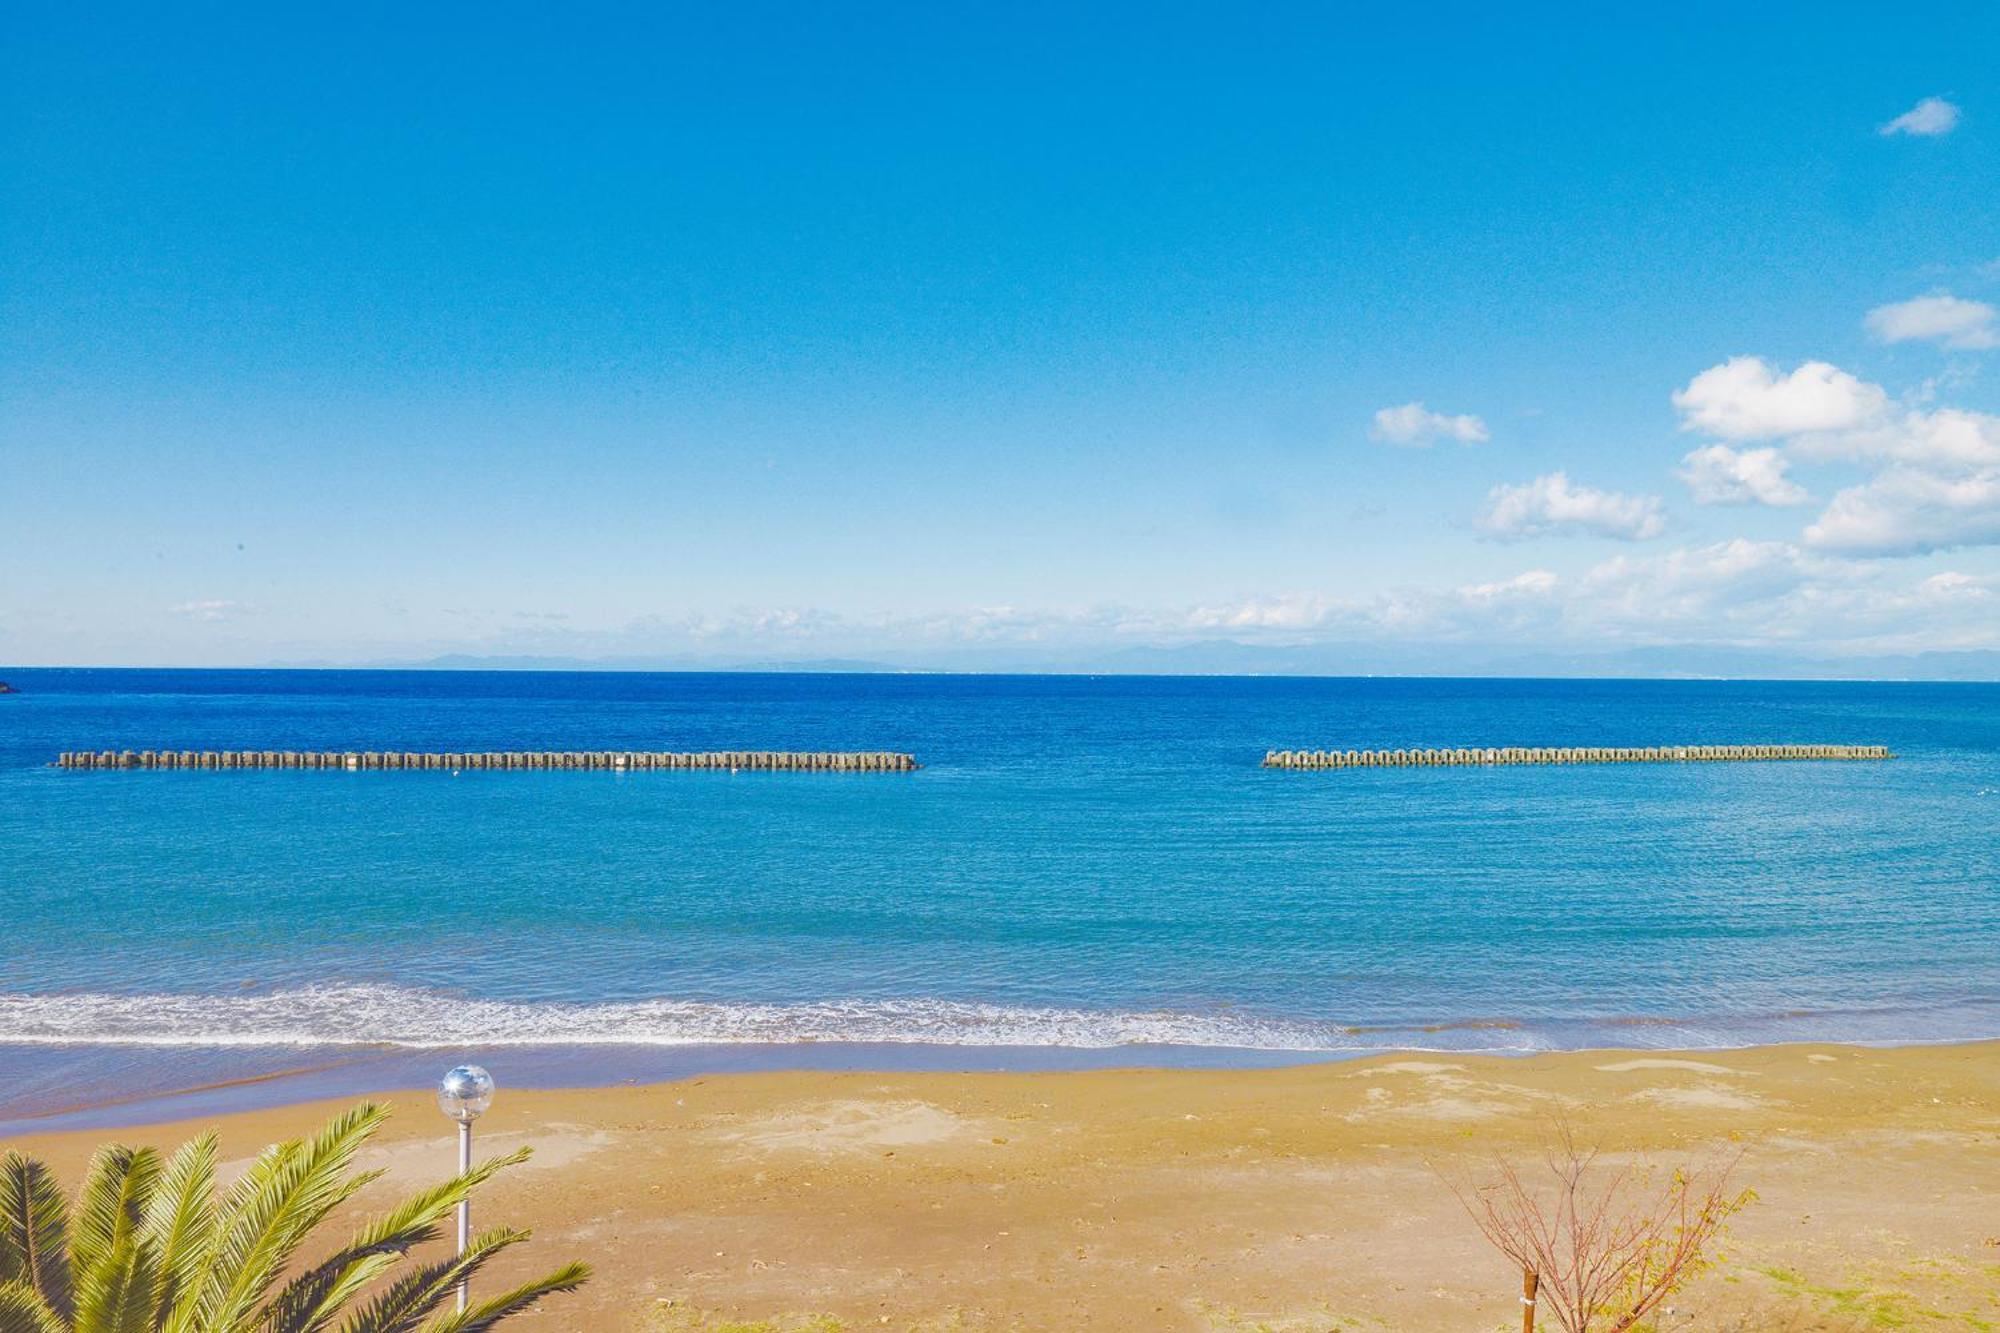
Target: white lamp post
x=464 y=1094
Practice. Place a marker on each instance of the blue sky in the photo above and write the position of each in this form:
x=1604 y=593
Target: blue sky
x=911 y=332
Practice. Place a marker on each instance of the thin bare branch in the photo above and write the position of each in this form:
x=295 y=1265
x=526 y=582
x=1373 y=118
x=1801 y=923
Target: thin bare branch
x=1608 y=1243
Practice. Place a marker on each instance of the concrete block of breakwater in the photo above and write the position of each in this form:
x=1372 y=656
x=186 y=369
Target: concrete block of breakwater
x=617 y=761
x=1589 y=754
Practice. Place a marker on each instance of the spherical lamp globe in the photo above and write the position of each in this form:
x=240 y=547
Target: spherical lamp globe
x=465 y=1093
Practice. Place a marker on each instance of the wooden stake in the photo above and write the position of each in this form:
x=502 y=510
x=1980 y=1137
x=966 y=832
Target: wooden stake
x=1530 y=1281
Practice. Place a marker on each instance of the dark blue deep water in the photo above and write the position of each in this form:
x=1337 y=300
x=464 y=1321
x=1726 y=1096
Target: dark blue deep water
x=1082 y=862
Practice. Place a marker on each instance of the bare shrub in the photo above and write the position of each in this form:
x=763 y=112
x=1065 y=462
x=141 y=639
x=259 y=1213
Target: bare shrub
x=1608 y=1243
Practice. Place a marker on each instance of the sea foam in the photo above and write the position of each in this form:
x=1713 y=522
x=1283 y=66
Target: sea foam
x=385 y=1015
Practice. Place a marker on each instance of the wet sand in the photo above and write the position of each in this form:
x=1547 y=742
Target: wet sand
x=1290 y=1199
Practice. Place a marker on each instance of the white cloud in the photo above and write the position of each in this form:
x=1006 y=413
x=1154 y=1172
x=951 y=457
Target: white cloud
x=1533 y=583
x=1739 y=592
x=1700 y=585
x=1720 y=475
x=1416 y=426
x=1745 y=399
x=1551 y=504
x=1931 y=117
x=1949 y=439
x=1752 y=592
x=1911 y=511
x=212 y=610
x=1290 y=611
x=1938 y=486
x=1951 y=583
x=1944 y=319
x=1517 y=604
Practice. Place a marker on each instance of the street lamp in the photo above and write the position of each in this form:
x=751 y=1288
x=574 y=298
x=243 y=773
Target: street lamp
x=464 y=1094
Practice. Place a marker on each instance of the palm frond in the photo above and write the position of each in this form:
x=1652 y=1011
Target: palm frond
x=310 y=1301
x=115 y=1294
x=112 y=1205
x=482 y=1317
x=22 y=1311
x=414 y=1296
x=147 y=1246
x=180 y=1226
x=288 y=1192
x=250 y=1202
x=34 y=1231
x=313 y=1310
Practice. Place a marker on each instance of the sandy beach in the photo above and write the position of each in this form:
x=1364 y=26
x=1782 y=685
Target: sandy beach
x=1300 y=1198
x=1191 y=668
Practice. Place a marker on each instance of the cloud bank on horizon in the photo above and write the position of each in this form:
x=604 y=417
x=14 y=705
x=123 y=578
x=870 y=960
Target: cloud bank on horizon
x=930 y=371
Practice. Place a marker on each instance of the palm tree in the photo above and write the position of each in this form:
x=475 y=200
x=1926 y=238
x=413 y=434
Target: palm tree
x=148 y=1246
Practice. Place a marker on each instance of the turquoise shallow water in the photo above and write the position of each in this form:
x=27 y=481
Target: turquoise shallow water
x=1082 y=864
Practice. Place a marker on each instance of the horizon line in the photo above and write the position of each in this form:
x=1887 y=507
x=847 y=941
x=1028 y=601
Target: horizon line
x=889 y=671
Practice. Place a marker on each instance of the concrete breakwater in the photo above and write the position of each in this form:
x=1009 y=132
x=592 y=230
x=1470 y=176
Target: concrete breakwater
x=640 y=761
x=1657 y=754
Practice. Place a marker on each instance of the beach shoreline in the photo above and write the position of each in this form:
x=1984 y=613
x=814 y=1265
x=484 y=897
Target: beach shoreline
x=56 y=1086
x=1307 y=1196
x=48 y=1087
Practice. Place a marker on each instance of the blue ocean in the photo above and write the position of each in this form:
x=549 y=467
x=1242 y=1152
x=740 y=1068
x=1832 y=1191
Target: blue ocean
x=1082 y=865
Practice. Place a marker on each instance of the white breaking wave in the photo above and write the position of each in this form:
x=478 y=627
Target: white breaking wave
x=383 y=1015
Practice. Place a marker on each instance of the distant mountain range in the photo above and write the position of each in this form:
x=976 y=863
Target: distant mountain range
x=1223 y=657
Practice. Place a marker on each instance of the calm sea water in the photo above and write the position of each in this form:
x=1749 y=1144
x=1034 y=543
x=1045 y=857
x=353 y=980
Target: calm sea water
x=1083 y=863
